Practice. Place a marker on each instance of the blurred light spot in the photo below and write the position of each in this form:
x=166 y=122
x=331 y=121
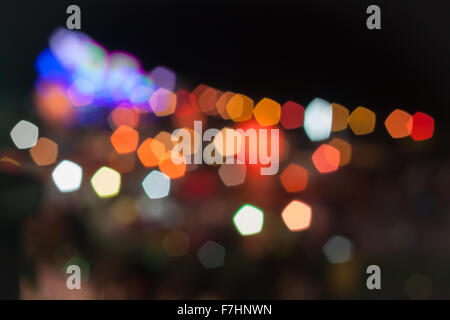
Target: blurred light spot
x=44 y=152
x=228 y=142
x=232 y=174
x=297 y=216
x=125 y=116
x=123 y=163
x=211 y=255
x=318 y=120
x=292 y=115
x=24 y=134
x=421 y=126
x=326 y=158
x=248 y=220
x=240 y=108
x=150 y=152
x=156 y=185
x=186 y=113
x=141 y=94
x=106 y=182
x=81 y=93
x=67 y=176
x=166 y=139
x=125 y=139
x=163 y=77
x=345 y=150
x=207 y=101
x=340 y=117
x=170 y=168
x=221 y=104
x=163 y=102
x=418 y=287
x=176 y=243
x=362 y=121
x=52 y=103
x=397 y=124
x=267 y=112
x=338 y=249
x=294 y=178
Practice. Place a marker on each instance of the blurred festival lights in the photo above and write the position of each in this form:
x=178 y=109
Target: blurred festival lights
x=77 y=72
x=318 y=120
x=106 y=182
x=24 y=134
x=156 y=185
x=67 y=176
x=248 y=220
x=297 y=216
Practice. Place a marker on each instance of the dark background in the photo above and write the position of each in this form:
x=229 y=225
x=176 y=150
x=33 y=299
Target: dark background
x=286 y=50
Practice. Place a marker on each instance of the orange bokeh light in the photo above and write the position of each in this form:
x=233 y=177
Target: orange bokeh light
x=125 y=139
x=294 y=178
x=170 y=168
x=150 y=152
x=44 y=152
x=297 y=216
x=326 y=158
x=397 y=124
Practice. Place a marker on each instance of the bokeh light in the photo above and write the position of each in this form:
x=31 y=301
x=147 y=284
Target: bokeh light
x=326 y=158
x=248 y=220
x=211 y=255
x=81 y=93
x=397 y=124
x=44 y=152
x=67 y=176
x=163 y=102
x=362 y=121
x=172 y=169
x=340 y=117
x=156 y=185
x=318 y=120
x=163 y=77
x=150 y=152
x=345 y=150
x=233 y=174
x=176 y=243
x=267 y=112
x=221 y=104
x=297 y=216
x=125 y=139
x=294 y=178
x=421 y=126
x=292 y=115
x=338 y=249
x=106 y=182
x=24 y=134
x=240 y=108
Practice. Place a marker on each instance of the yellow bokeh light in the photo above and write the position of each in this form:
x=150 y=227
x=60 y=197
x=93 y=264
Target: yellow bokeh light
x=267 y=112
x=106 y=182
x=340 y=116
x=240 y=108
x=362 y=121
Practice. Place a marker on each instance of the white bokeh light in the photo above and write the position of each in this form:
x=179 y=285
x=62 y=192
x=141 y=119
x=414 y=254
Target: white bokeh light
x=67 y=176
x=318 y=119
x=24 y=134
x=156 y=185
